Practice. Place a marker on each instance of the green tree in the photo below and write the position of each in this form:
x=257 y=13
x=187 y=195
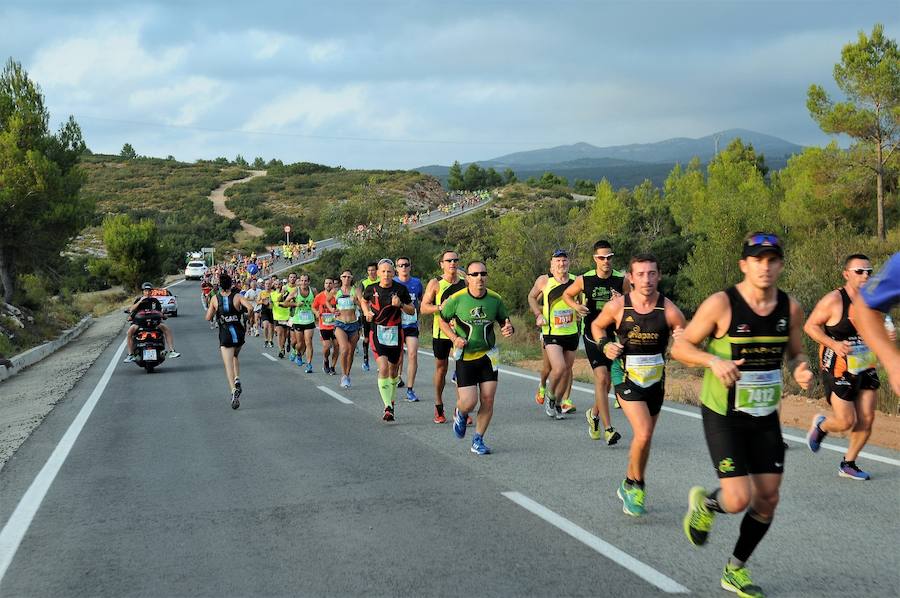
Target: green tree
x=133 y=249
x=584 y=186
x=41 y=209
x=509 y=177
x=455 y=177
x=259 y=163
x=869 y=77
x=128 y=152
x=474 y=177
x=240 y=161
x=492 y=178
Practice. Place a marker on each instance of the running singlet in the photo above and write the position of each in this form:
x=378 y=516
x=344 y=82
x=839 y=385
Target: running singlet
x=226 y=313
x=386 y=318
x=445 y=289
x=303 y=313
x=345 y=301
x=644 y=338
x=475 y=317
x=414 y=286
x=598 y=291
x=883 y=290
x=287 y=293
x=280 y=314
x=761 y=341
x=860 y=357
x=559 y=318
x=325 y=307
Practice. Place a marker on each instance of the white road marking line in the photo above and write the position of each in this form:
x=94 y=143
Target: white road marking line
x=17 y=526
x=335 y=395
x=269 y=357
x=623 y=559
x=801 y=440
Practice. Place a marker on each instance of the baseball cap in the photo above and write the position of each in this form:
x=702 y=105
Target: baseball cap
x=560 y=253
x=759 y=243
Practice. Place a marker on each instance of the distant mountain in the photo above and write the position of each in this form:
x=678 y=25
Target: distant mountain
x=627 y=161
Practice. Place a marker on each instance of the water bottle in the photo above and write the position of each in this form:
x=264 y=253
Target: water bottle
x=457 y=354
x=889 y=324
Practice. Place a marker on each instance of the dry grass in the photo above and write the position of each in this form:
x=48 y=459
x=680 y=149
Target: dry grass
x=99 y=303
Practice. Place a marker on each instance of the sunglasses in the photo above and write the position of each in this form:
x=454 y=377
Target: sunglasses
x=605 y=258
x=862 y=271
x=476 y=274
x=346 y=276
x=762 y=239
x=403 y=265
x=452 y=260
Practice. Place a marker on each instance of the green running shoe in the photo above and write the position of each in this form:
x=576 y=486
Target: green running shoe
x=593 y=424
x=632 y=499
x=698 y=520
x=737 y=580
x=611 y=436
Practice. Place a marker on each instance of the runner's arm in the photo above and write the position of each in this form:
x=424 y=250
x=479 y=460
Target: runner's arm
x=798 y=363
x=571 y=294
x=211 y=310
x=815 y=324
x=870 y=325
x=536 y=290
x=675 y=319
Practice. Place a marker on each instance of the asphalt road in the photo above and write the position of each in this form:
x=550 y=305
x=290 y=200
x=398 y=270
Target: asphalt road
x=166 y=491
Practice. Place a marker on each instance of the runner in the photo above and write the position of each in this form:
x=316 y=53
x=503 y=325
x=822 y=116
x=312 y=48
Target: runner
x=643 y=320
x=876 y=298
x=324 y=307
x=473 y=311
x=599 y=286
x=265 y=313
x=226 y=306
x=281 y=314
x=251 y=296
x=346 y=323
x=410 y=323
x=559 y=329
x=290 y=291
x=371 y=278
x=752 y=326
x=303 y=322
x=438 y=289
x=847 y=366
x=382 y=305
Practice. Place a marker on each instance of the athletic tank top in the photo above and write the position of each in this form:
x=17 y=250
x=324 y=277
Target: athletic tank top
x=559 y=318
x=345 y=302
x=280 y=314
x=598 y=291
x=761 y=341
x=645 y=338
x=860 y=357
x=287 y=291
x=303 y=313
x=445 y=289
x=226 y=311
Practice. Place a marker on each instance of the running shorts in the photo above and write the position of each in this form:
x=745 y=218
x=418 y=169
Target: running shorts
x=475 y=371
x=741 y=444
x=653 y=396
x=848 y=386
x=327 y=334
x=283 y=324
x=441 y=347
x=231 y=335
x=265 y=315
x=568 y=342
x=411 y=331
x=299 y=327
x=392 y=353
x=594 y=355
x=350 y=328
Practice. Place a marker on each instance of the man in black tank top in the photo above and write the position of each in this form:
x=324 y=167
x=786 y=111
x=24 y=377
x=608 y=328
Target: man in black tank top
x=847 y=366
x=752 y=327
x=643 y=319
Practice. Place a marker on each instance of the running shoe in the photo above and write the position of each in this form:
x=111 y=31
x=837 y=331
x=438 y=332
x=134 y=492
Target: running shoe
x=539 y=395
x=173 y=354
x=459 y=424
x=848 y=469
x=308 y=368
x=401 y=383
x=550 y=406
x=593 y=425
x=236 y=394
x=632 y=499
x=345 y=381
x=281 y=355
x=411 y=396
x=611 y=436
x=815 y=436
x=129 y=359
x=332 y=372
x=559 y=412
x=699 y=519
x=325 y=367
x=365 y=366
x=568 y=406
x=439 y=417
x=293 y=356
x=479 y=447
x=388 y=414
x=299 y=361
x=737 y=580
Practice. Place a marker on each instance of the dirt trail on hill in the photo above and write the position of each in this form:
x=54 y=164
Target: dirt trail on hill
x=218 y=198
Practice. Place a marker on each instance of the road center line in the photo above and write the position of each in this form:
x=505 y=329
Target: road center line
x=17 y=526
x=623 y=559
x=269 y=357
x=335 y=395
x=684 y=412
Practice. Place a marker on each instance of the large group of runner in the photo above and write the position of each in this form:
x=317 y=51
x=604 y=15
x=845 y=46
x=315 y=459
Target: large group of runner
x=742 y=336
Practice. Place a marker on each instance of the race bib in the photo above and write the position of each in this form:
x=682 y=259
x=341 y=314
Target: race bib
x=389 y=336
x=494 y=356
x=327 y=318
x=305 y=316
x=860 y=358
x=563 y=317
x=758 y=393
x=409 y=320
x=645 y=370
x=345 y=303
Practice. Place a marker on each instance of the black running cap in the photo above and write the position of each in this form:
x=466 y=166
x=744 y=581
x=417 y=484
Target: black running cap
x=760 y=243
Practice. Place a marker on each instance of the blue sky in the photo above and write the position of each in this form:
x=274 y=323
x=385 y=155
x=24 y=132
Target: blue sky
x=399 y=84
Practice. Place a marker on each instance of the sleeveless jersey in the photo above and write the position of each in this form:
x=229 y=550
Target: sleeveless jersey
x=761 y=341
x=303 y=313
x=860 y=357
x=287 y=291
x=280 y=314
x=559 y=318
x=645 y=338
x=445 y=289
x=598 y=291
x=226 y=313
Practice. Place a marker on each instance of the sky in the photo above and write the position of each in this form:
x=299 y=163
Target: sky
x=399 y=84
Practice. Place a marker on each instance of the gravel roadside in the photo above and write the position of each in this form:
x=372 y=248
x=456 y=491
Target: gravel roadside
x=25 y=399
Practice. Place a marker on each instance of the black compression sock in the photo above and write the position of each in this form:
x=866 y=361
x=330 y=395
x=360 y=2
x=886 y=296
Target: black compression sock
x=440 y=409
x=711 y=501
x=753 y=527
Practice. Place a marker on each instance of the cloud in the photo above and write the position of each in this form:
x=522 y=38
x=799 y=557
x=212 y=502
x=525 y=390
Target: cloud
x=310 y=106
x=187 y=99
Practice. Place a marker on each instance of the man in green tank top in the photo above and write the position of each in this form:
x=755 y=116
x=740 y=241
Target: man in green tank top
x=280 y=314
x=752 y=327
x=303 y=322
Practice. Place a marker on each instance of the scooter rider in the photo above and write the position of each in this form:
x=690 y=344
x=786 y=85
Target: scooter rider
x=148 y=302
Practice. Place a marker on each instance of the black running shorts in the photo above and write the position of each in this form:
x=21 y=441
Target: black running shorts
x=300 y=327
x=411 y=331
x=848 y=386
x=392 y=353
x=327 y=335
x=441 y=347
x=475 y=371
x=568 y=342
x=594 y=355
x=231 y=335
x=741 y=444
x=653 y=396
